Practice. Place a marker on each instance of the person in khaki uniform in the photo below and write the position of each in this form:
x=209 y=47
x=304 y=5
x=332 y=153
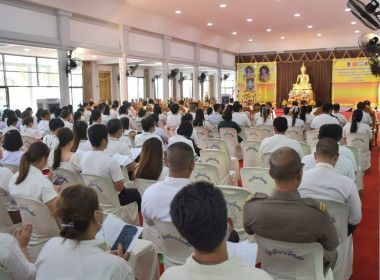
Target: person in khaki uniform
x=284 y=215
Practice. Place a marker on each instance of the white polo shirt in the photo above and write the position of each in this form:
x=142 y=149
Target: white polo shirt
x=180 y=138
x=300 y=123
x=132 y=123
x=268 y=121
x=142 y=137
x=48 y=140
x=113 y=114
x=12 y=157
x=215 y=118
x=87 y=115
x=118 y=147
x=173 y=120
x=277 y=141
x=68 y=124
x=8 y=128
x=35 y=186
x=43 y=126
x=342 y=119
x=362 y=128
x=13 y=260
x=157 y=198
x=75 y=260
x=323 y=182
x=5 y=177
x=233 y=268
x=98 y=163
x=84 y=145
x=241 y=118
x=31 y=132
x=320 y=120
x=366 y=118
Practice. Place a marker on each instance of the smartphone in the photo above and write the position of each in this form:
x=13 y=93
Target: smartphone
x=59 y=180
x=125 y=237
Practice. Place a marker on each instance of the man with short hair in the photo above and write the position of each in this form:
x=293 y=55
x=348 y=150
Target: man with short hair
x=341 y=118
x=147 y=125
x=174 y=119
x=323 y=182
x=216 y=117
x=284 y=215
x=239 y=116
x=157 y=129
x=199 y=213
x=279 y=139
x=157 y=198
x=101 y=109
x=325 y=118
x=55 y=125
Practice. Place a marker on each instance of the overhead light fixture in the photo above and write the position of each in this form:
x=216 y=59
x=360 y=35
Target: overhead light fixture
x=234 y=33
x=282 y=37
x=222 y=5
x=353 y=22
x=269 y=30
x=357 y=31
x=209 y=24
x=297 y=15
x=249 y=19
x=319 y=34
x=178 y=12
x=94 y=56
x=309 y=26
x=27 y=49
x=347 y=10
x=250 y=40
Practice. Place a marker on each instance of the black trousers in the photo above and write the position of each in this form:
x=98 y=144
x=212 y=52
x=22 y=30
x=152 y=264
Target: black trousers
x=128 y=196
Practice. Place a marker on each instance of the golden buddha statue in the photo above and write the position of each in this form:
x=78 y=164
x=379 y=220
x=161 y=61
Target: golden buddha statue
x=302 y=88
x=302 y=82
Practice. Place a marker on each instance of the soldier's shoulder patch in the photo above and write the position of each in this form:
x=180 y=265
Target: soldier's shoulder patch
x=314 y=203
x=257 y=195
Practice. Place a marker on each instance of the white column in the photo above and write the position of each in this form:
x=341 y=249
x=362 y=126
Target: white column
x=95 y=81
x=115 y=82
x=150 y=90
x=218 y=85
x=63 y=78
x=123 y=78
x=196 y=83
x=178 y=87
x=165 y=81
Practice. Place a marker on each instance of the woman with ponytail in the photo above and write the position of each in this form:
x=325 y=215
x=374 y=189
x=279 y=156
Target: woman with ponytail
x=29 y=181
x=264 y=118
x=61 y=154
x=294 y=120
x=356 y=126
x=77 y=254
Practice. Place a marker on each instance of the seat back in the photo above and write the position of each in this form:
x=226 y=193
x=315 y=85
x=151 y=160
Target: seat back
x=202 y=133
x=218 y=144
x=267 y=130
x=230 y=136
x=312 y=138
x=266 y=160
x=68 y=176
x=138 y=126
x=295 y=132
x=356 y=153
x=27 y=140
x=6 y=224
x=218 y=159
x=5 y=275
x=235 y=199
x=174 y=248
x=143 y=184
x=254 y=134
x=215 y=130
x=361 y=141
x=283 y=260
x=257 y=179
x=205 y=172
x=307 y=126
x=305 y=148
x=11 y=166
x=242 y=132
x=251 y=155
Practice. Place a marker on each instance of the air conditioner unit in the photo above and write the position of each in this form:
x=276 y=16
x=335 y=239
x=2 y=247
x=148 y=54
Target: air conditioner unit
x=47 y=103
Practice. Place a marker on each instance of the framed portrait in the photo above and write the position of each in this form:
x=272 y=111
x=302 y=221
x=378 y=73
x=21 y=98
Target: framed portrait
x=264 y=75
x=249 y=71
x=249 y=84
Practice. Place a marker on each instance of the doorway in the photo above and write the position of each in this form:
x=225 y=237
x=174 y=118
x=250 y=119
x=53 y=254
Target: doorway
x=105 y=85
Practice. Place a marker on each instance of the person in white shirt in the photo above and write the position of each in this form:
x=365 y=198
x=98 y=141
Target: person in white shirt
x=43 y=125
x=342 y=119
x=102 y=109
x=148 y=129
x=325 y=118
x=14 y=256
x=199 y=213
x=77 y=254
x=157 y=198
x=200 y=121
x=81 y=144
x=28 y=130
x=55 y=125
x=12 y=144
x=65 y=116
x=157 y=129
x=6 y=198
x=161 y=117
x=87 y=112
x=113 y=112
x=357 y=125
x=129 y=135
x=174 y=120
x=264 y=118
x=240 y=117
x=295 y=121
x=123 y=113
x=366 y=117
x=279 y=140
x=309 y=116
x=11 y=124
x=216 y=117
x=184 y=132
x=323 y=182
x=96 y=118
x=99 y=163
x=286 y=113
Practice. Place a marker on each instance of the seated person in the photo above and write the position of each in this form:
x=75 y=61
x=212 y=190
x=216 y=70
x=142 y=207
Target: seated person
x=216 y=117
x=323 y=182
x=140 y=115
x=77 y=254
x=96 y=117
x=28 y=130
x=357 y=125
x=128 y=134
x=14 y=256
x=99 y=163
x=325 y=117
x=11 y=124
x=227 y=122
x=342 y=119
x=199 y=213
x=6 y=198
x=55 y=125
x=174 y=119
x=80 y=141
x=239 y=116
x=295 y=120
x=12 y=144
x=158 y=130
x=43 y=125
x=264 y=118
x=65 y=116
x=200 y=121
x=148 y=129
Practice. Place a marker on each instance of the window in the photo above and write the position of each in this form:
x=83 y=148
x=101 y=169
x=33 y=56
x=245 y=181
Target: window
x=228 y=86
x=136 y=87
x=187 y=88
x=76 y=88
x=159 y=88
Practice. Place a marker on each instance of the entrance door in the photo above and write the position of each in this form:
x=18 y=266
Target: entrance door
x=105 y=85
x=4 y=98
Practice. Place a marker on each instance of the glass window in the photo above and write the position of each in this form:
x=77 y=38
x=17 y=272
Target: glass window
x=132 y=88
x=2 y=80
x=48 y=80
x=75 y=80
x=22 y=97
x=159 y=88
x=141 y=87
x=20 y=63
x=1 y=62
x=187 y=88
x=48 y=65
x=20 y=79
x=76 y=97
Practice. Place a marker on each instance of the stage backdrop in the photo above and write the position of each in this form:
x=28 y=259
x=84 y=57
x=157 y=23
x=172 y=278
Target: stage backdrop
x=258 y=78
x=353 y=82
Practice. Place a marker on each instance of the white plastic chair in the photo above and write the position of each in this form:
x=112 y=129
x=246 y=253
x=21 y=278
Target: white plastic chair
x=359 y=173
x=312 y=138
x=138 y=126
x=69 y=177
x=242 y=132
x=11 y=166
x=230 y=136
x=220 y=144
x=307 y=126
x=339 y=213
x=6 y=224
x=256 y=179
x=109 y=199
x=44 y=225
x=142 y=184
x=235 y=199
x=5 y=275
x=254 y=134
x=205 y=172
x=215 y=130
x=202 y=133
x=174 y=248
x=267 y=130
x=361 y=141
x=221 y=161
x=266 y=160
x=295 y=132
x=305 y=148
x=283 y=260
x=251 y=155
x=142 y=254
